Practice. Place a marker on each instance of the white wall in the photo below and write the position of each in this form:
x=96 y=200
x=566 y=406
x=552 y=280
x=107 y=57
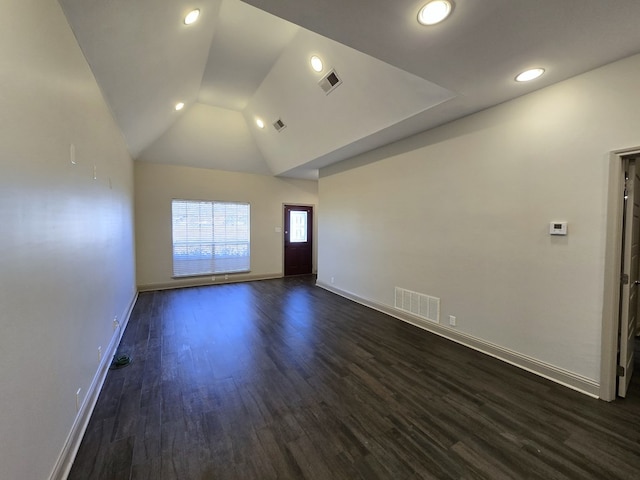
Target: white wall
x=156 y=185
x=462 y=212
x=67 y=262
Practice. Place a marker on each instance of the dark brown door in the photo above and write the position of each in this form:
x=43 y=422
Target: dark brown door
x=298 y=235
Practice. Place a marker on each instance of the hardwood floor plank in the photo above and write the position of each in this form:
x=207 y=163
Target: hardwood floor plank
x=278 y=455
x=309 y=459
x=149 y=470
x=148 y=446
x=481 y=466
x=279 y=379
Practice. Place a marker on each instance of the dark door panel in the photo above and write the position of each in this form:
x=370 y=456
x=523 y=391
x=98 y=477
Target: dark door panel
x=298 y=240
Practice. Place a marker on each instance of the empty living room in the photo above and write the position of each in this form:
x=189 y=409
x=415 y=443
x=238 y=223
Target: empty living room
x=273 y=239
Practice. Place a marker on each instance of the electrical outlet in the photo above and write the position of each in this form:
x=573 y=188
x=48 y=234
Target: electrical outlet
x=213 y=279
x=116 y=324
x=452 y=320
x=99 y=353
x=78 y=399
x=226 y=277
x=72 y=154
x=332 y=280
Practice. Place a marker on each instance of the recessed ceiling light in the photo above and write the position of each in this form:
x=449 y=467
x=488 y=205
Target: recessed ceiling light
x=179 y=106
x=260 y=123
x=316 y=63
x=434 y=12
x=529 y=75
x=192 y=16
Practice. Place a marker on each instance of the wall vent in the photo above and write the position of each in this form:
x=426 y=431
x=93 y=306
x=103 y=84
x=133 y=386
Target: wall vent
x=330 y=82
x=279 y=125
x=419 y=304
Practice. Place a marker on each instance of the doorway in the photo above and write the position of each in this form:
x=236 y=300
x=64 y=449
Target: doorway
x=298 y=240
x=622 y=275
x=629 y=274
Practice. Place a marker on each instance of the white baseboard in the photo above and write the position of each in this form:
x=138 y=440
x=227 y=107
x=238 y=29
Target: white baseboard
x=203 y=281
x=543 y=369
x=72 y=444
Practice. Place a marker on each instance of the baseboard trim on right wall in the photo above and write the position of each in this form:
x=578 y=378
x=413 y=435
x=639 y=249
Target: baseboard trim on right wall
x=551 y=372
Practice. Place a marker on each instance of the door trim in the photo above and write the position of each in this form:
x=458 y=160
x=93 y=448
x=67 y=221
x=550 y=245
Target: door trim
x=612 y=268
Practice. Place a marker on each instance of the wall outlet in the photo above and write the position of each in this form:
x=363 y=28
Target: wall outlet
x=99 y=353
x=226 y=277
x=213 y=279
x=72 y=154
x=116 y=324
x=332 y=279
x=452 y=320
x=78 y=399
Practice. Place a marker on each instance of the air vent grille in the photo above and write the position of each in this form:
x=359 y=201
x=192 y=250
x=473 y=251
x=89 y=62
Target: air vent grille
x=419 y=304
x=330 y=82
x=279 y=125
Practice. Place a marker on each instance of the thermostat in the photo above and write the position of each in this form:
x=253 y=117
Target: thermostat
x=558 y=228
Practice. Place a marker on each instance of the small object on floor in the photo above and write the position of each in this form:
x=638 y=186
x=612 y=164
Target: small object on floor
x=120 y=361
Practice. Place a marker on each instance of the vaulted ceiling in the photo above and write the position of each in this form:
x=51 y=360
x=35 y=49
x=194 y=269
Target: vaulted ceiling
x=244 y=60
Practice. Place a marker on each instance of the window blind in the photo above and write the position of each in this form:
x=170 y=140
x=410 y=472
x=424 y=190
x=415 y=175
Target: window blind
x=210 y=237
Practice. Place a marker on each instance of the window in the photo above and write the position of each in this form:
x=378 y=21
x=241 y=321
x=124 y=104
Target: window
x=210 y=237
x=297 y=226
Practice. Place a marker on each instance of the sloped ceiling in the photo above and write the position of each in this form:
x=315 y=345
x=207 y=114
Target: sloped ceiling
x=248 y=60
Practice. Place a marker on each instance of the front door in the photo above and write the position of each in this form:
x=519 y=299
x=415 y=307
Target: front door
x=630 y=276
x=298 y=235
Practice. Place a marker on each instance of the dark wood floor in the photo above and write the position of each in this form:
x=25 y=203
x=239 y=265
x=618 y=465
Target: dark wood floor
x=280 y=379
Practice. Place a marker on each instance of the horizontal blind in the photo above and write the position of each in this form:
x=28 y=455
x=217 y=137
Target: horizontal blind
x=210 y=237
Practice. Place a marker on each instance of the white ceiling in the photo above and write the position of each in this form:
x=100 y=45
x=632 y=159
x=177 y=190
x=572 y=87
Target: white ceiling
x=239 y=62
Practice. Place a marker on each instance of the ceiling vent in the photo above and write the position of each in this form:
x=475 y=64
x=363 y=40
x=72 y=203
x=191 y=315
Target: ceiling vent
x=279 y=125
x=330 y=82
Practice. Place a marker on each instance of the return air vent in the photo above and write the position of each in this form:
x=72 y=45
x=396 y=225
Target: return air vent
x=330 y=82
x=279 y=125
x=423 y=306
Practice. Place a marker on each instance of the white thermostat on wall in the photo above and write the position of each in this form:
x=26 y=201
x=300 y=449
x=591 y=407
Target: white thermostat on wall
x=558 y=228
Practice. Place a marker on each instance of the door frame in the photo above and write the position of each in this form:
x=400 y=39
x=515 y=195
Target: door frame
x=314 y=234
x=612 y=269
